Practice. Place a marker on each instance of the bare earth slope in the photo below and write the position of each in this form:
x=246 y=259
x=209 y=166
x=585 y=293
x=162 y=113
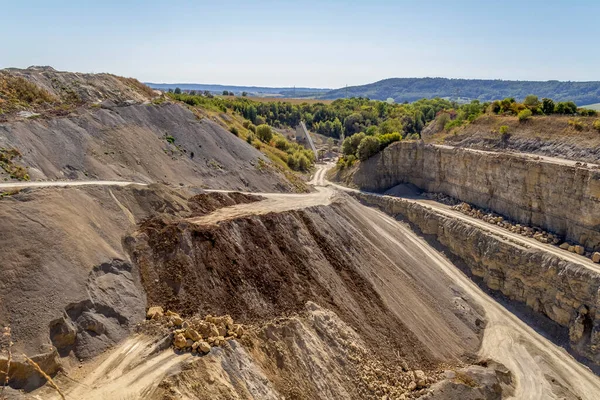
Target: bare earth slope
x=144 y=143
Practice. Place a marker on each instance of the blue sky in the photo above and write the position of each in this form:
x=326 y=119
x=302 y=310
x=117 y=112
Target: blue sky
x=305 y=43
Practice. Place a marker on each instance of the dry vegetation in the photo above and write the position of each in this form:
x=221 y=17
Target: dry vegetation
x=15 y=171
x=137 y=85
x=17 y=92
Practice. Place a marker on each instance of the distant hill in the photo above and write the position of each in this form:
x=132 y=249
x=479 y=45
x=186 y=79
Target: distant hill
x=251 y=90
x=412 y=89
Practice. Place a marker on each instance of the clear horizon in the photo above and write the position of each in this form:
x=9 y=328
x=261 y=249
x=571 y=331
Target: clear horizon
x=328 y=44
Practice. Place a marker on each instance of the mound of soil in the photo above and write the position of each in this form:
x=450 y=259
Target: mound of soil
x=142 y=143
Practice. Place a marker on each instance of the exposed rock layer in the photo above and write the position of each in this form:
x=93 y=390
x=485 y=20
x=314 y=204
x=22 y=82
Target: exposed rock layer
x=560 y=198
x=565 y=292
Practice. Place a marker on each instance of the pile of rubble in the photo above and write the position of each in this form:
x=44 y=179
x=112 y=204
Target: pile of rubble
x=441 y=198
x=535 y=233
x=195 y=334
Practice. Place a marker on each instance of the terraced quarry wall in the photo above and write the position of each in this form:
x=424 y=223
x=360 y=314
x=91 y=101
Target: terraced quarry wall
x=564 y=199
x=564 y=291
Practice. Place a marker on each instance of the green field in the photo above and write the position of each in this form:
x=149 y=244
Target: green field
x=595 y=106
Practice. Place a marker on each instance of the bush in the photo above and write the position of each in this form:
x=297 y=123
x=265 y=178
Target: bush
x=281 y=144
x=264 y=133
x=453 y=124
x=503 y=130
x=368 y=147
x=524 y=115
x=576 y=124
x=252 y=128
x=246 y=124
x=350 y=144
x=386 y=140
x=548 y=106
x=597 y=125
x=350 y=160
x=170 y=139
x=442 y=120
x=531 y=101
x=250 y=139
x=234 y=130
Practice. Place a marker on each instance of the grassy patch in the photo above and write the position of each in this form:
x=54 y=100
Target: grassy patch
x=7 y=157
x=17 y=92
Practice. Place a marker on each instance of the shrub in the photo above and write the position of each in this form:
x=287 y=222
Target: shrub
x=252 y=128
x=453 y=124
x=565 y=107
x=234 y=130
x=350 y=160
x=350 y=144
x=250 y=139
x=281 y=144
x=587 y=112
x=576 y=124
x=264 y=133
x=503 y=130
x=170 y=139
x=548 y=106
x=531 y=101
x=368 y=147
x=387 y=139
x=442 y=120
x=524 y=115
x=303 y=162
x=597 y=125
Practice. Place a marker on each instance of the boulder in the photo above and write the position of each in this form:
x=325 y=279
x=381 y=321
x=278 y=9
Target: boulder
x=155 y=312
x=596 y=257
x=179 y=341
x=193 y=334
x=177 y=320
x=579 y=250
x=203 y=347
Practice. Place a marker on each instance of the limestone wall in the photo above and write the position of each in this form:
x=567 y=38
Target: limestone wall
x=560 y=198
x=565 y=292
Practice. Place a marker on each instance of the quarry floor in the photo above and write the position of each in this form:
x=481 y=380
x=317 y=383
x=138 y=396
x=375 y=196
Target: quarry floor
x=542 y=369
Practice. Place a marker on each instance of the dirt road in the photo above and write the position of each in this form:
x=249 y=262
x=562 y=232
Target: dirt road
x=534 y=360
x=23 y=185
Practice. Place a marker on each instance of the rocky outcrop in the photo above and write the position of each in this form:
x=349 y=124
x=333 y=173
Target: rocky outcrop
x=563 y=199
x=564 y=291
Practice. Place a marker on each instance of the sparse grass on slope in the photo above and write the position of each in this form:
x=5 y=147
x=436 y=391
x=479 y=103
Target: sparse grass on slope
x=17 y=92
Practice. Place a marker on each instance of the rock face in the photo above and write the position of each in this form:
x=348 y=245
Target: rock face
x=559 y=198
x=564 y=291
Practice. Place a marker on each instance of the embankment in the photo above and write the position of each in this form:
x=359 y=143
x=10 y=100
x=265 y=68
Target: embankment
x=561 y=198
x=565 y=292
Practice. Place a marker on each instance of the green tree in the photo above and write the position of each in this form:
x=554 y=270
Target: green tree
x=350 y=144
x=391 y=125
x=264 y=133
x=368 y=146
x=548 y=106
x=225 y=92
x=244 y=94
x=532 y=101
x=177 y=91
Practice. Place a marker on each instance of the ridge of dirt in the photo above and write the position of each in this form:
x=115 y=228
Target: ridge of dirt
x=141 y=143
x=551 y=136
